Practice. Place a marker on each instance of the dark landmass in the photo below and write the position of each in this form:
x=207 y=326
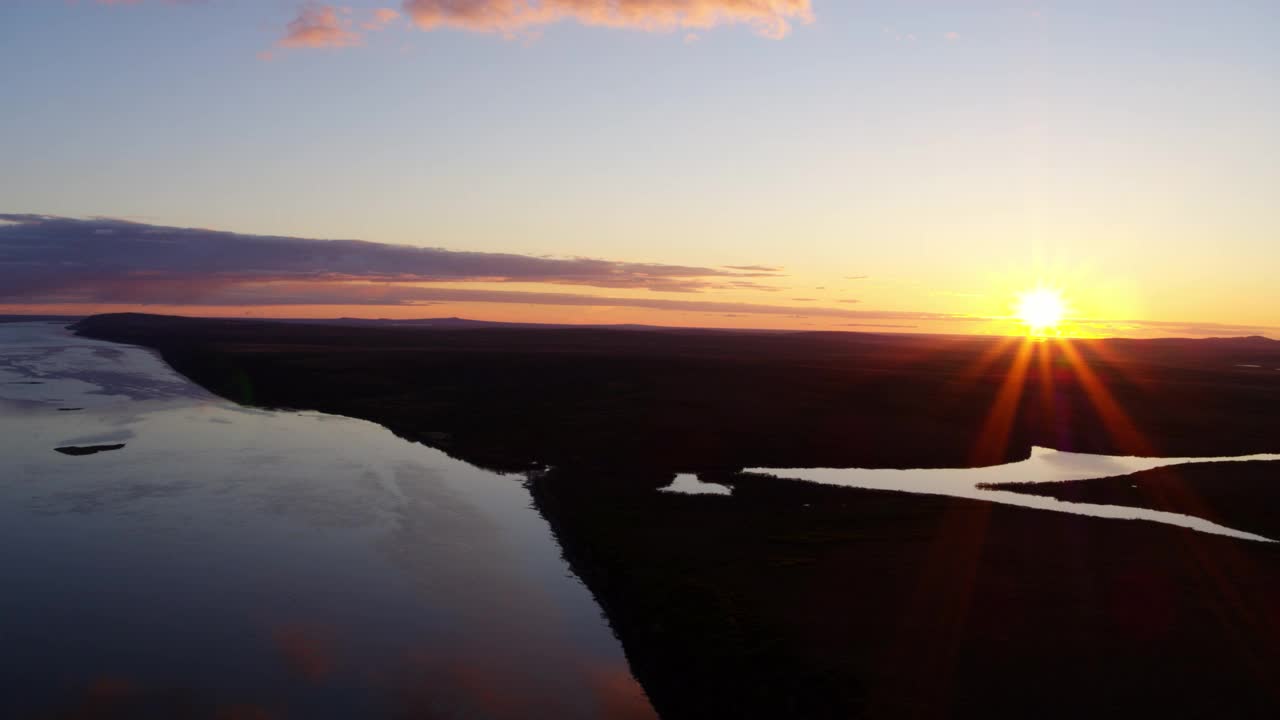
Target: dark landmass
x=513 y=398
x=457 y=323
x=69 y=409
x=794 y=600
x=87 y=449
x=1241 y=495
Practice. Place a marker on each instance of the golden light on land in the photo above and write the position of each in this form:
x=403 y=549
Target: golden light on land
x=1042 y=310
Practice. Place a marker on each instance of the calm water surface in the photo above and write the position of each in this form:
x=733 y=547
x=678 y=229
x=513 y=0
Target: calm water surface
x=1044 y=465
x=268 y=563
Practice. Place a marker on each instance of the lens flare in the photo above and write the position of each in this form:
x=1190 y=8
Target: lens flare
x=1042 y=310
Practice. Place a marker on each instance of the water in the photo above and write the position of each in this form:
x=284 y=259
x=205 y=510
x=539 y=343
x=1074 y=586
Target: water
x=688 y=484
x=1044 y=465
x=248 y=561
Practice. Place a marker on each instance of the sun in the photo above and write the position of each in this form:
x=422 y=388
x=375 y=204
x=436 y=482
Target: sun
x=1042 y=310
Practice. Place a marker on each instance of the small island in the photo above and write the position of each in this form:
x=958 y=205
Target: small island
x=87 y=449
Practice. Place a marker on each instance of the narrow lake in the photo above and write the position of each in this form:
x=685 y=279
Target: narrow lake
x=987 y=483
x=160 y=543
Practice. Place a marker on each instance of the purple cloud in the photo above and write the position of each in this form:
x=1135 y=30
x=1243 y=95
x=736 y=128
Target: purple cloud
x=769 y=18
x=56 y=259
x=320 y=26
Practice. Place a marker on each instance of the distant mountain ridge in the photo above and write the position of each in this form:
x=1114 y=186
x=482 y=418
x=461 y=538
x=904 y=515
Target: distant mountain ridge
x=457 y=323
x=39 y=318
x=1259 y=342
x=451 y=323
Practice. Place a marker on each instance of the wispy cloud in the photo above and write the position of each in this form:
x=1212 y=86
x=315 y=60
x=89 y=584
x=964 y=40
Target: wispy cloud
x=274 y=293
x=320 y=26
x=381 y=18
x=769 y=18
x=1166 y=328
x=139 y=2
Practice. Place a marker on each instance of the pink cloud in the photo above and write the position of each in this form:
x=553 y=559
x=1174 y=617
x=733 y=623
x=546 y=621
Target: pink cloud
x=320 y=26
x=383 y=17
x=769 y=18
x=380 y=18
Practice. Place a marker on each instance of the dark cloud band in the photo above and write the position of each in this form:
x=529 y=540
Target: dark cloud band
x=107 y=259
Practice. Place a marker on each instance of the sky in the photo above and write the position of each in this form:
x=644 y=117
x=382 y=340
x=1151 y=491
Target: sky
x=880 y=165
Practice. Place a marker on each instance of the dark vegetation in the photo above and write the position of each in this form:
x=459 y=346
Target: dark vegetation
x=794 y=600
x=1240 y=495
x=511 y=398
x=790 y=600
